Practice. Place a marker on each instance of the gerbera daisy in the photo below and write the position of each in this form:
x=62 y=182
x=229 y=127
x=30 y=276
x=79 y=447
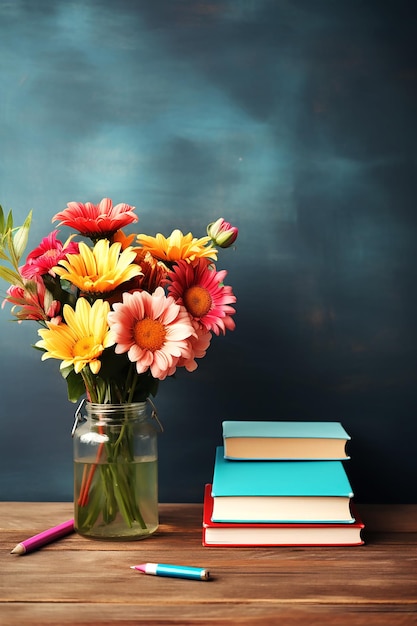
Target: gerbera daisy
x=153 y=271
x=178 y=246
x=153 y=330
x=96 y=220
x=49 y=253
x=33 y=302
x=81 y=340
x=198 y=345
x=125 y=240
x=200 y=289
x=100 y=270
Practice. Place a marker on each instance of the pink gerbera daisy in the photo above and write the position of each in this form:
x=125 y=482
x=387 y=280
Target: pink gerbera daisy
x=96 y=221
x=33 y=302
x=153 y=330
x=48 y=254
x=199 y=345
x=200 y=289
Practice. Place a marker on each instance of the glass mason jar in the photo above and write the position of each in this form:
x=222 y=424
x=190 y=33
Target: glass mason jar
x=116 y=472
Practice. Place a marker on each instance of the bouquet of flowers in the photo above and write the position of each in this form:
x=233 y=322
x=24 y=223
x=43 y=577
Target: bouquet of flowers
x=125 y=311
x=120 y=311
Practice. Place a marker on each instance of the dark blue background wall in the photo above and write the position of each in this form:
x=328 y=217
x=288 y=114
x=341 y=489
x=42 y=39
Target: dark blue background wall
x=295 y=120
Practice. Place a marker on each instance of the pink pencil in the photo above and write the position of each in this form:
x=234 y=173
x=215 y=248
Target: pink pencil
x=47 y=536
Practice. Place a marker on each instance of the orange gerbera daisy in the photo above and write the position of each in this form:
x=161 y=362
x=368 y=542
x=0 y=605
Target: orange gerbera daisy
x=153 y=271
x=178 y=246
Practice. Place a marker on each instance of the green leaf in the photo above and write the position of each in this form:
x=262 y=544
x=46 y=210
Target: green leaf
x=13 y=258
x=66 y=371
x=9 y=223
x=10 y=276
x=38 y=348
x=3 y=255
x=5 y=224
x=75 y=384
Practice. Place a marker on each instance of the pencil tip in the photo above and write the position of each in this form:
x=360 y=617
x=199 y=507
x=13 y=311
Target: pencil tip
x=19 y=549
x=139 y=568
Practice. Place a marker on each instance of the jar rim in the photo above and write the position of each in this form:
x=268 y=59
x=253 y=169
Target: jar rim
x=114 y=406
x=118 y=412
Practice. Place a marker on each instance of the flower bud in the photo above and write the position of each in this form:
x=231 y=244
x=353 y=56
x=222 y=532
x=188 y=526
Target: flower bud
x=222 y=233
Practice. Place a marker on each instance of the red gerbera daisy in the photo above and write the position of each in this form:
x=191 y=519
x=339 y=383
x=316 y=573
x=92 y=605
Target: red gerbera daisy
x=200 y=289
x=96 y=221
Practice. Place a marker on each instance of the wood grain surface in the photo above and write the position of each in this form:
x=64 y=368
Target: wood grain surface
x=81 y=581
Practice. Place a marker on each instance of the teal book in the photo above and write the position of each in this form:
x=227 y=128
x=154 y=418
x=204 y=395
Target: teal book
x=238 y=535
x=280 y=491
x=284 y=440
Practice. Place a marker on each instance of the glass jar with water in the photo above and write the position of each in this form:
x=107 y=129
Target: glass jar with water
x=116 y=471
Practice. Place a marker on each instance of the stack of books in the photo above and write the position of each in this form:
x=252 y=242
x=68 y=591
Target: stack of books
x=281 y=483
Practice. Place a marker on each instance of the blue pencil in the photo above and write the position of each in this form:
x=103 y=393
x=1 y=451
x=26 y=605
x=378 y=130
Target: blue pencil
x=175 y=571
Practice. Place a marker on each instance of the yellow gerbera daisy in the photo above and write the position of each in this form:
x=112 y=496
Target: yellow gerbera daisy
x=81 y=340
x=101 y=269
x=178 y=246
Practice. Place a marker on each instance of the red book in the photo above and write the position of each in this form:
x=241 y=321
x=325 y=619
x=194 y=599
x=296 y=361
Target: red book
x=222 y=534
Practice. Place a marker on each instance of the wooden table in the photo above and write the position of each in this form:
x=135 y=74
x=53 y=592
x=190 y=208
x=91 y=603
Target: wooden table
x=81 y=581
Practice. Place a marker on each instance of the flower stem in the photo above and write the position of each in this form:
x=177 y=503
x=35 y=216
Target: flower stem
x=132 y=380
x=87 y=480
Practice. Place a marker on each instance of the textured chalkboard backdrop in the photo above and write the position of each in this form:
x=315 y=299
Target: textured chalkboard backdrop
x=295 y=120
